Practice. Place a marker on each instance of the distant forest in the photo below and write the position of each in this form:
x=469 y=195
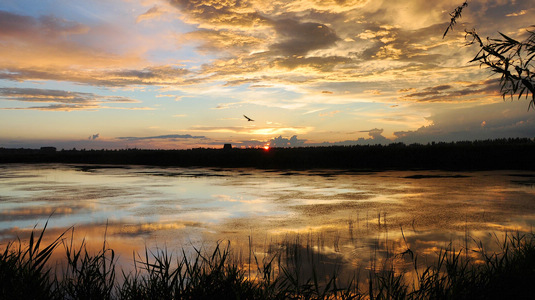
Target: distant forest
x=499 y=154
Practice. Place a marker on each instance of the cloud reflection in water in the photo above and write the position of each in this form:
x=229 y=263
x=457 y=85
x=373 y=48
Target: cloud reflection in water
x=351 y=218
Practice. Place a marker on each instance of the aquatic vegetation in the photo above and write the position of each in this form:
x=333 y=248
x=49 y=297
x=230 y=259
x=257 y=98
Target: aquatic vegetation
x=26 y=272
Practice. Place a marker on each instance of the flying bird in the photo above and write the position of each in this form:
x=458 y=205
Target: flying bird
x=248 y=119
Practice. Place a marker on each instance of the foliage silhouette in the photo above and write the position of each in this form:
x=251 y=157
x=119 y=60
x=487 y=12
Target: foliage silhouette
x=456 y=14
x=505 y=56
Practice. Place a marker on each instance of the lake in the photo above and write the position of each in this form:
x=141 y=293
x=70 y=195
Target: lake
x=346 y=219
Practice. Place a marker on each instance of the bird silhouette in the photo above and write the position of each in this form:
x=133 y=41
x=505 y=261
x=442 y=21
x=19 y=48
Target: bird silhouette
x=248 y=119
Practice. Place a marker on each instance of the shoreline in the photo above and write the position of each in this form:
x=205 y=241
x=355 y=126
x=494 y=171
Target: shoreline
x=512 y=154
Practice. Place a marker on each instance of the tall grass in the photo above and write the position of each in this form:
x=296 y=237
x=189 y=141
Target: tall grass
x=24 y=273
x=508 y=273
x=288 y=272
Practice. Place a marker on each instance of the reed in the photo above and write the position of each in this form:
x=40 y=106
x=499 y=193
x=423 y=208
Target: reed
x=290 y=271
x=505 y=274
x=24 y=273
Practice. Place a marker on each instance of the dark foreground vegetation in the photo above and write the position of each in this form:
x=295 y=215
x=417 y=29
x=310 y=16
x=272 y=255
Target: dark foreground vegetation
x=477 y=155
x=27 y=273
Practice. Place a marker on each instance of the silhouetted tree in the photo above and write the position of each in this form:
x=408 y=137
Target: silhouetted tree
x=513 y=60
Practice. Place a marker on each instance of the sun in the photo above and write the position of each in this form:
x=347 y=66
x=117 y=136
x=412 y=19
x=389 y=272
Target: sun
x=266 y=147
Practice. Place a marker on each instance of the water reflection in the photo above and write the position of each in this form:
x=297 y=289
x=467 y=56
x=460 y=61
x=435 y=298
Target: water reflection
x=347 y=220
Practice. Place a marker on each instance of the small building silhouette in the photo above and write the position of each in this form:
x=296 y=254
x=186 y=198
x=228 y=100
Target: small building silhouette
x=227 y=147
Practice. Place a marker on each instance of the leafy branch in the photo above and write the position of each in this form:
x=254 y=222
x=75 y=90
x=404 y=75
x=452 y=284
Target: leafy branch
x=456 y=14
x=510 y=58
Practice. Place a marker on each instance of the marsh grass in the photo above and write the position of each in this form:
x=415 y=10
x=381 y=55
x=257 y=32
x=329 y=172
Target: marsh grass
x=289 y=271
x=24 y=273
x=508 y=273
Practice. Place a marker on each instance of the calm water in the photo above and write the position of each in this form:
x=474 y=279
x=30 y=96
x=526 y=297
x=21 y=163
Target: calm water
x=347 y=218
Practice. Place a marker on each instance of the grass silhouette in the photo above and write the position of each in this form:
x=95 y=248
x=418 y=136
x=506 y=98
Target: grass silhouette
x=26 y=272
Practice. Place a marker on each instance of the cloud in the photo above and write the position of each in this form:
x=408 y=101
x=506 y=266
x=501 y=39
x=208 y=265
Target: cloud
x=162 y=137
x=516 y=14
x=153 y=13
x=56 y=107
x=402 y=44
x=376 y=133
x=94 y=136
x=18 y=26
x=281 y=142
x=297 y=38
x=331 y=6
x=44 y=95
x=55 y=49
x=51 y=48
x=52 y=43
x=156 y=75
x=219 y=12
x=358 y=52
x=253 y=129
x=491 y=121
x=322 y=64
x=329 y=114
x=376 y=137
x=253 y=42
x=318 y=46
x=62 y=100
x=460 y=91
x=216 y=41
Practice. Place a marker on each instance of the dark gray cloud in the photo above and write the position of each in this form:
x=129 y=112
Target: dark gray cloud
x=296 y=38
x=162 y=137
x=497 y=120
x=151 y=75
x=58 y=107
x=325 y=64
x=60 y=99
x=159 y=75
x=453 y=92
x=281 y=142
x=13 y=25
x=45 y=95
x=376 y=135
x=94 y=136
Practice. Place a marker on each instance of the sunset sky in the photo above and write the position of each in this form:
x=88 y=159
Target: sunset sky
x=180 y=74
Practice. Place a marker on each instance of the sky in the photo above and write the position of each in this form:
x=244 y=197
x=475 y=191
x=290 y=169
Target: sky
x=179 y=74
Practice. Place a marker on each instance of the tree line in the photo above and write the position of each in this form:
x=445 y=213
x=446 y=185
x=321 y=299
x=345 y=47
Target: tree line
x=497 y=154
